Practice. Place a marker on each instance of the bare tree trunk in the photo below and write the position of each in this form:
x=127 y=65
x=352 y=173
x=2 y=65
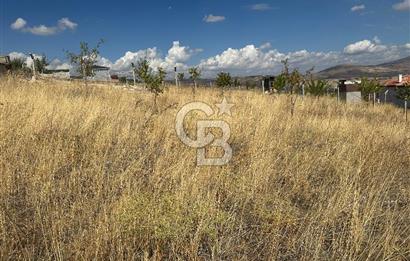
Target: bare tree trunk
x=405 y=109
x=84 y=73
x=292 y=104
x=194 y=89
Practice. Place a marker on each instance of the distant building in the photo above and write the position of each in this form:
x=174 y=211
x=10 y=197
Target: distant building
x=267 y=83
x=101 y=73
x=5 y=65
x=58 y=74
x=349 y=91
x=389 y=94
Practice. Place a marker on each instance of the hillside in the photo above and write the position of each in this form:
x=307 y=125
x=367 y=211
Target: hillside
x=389 y=69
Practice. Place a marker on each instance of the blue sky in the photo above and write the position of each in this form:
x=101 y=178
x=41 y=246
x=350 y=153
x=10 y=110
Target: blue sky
x=317 y=26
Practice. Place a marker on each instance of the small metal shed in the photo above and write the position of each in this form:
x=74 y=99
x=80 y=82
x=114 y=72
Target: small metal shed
x=350 y=91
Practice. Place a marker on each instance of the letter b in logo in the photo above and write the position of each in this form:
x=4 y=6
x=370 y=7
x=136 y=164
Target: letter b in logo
x=203 y=140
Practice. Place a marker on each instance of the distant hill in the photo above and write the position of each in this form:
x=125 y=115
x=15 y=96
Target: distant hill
x=389 y=69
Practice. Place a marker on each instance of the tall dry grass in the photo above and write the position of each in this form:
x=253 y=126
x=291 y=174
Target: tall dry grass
x=96 y=174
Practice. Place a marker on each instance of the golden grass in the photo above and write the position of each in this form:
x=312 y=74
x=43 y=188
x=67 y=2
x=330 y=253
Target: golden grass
x=96 y=174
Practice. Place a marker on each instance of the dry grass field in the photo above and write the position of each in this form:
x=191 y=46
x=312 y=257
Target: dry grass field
x=97 y=174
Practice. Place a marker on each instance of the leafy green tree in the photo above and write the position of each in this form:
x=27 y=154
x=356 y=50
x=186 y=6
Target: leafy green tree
x=223 y=80
x=403 y=93
x=180 y=77
x=279 y=83
x=369 y=87
x=86 y=59
x=41 y=64
x=295 y=80
x=194 y=73
x=143 y=71
x=155 y=85
x=317 y=87
x=17 y=64
x=153 y=81
x=162 y=74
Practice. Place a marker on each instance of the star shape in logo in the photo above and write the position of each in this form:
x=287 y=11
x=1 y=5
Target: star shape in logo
x=224 y=107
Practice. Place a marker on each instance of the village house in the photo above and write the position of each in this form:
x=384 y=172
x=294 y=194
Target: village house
x=101 y=73
x=389 y=94
x=349 y=90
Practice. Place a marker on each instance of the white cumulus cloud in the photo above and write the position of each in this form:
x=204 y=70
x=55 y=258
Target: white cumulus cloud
x=402 y=6
x=180 y=54
x=65 y=23
x=177 y=55
x=251 y=60
x=18 y=24
x=213 y=18
x=365 y=46
x=57 y=64
x=43 y=30
x=248 y=60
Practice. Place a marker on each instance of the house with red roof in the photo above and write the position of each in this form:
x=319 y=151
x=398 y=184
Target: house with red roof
x=391 y=86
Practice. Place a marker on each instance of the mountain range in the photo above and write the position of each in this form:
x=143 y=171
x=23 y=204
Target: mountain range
x=345 y=71
x=348 y=71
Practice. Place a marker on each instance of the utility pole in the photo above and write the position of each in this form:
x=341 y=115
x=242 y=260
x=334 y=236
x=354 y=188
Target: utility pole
x=133 y=73
x=176 y=76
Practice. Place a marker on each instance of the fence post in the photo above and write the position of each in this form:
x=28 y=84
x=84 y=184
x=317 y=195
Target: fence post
x=338 y=94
